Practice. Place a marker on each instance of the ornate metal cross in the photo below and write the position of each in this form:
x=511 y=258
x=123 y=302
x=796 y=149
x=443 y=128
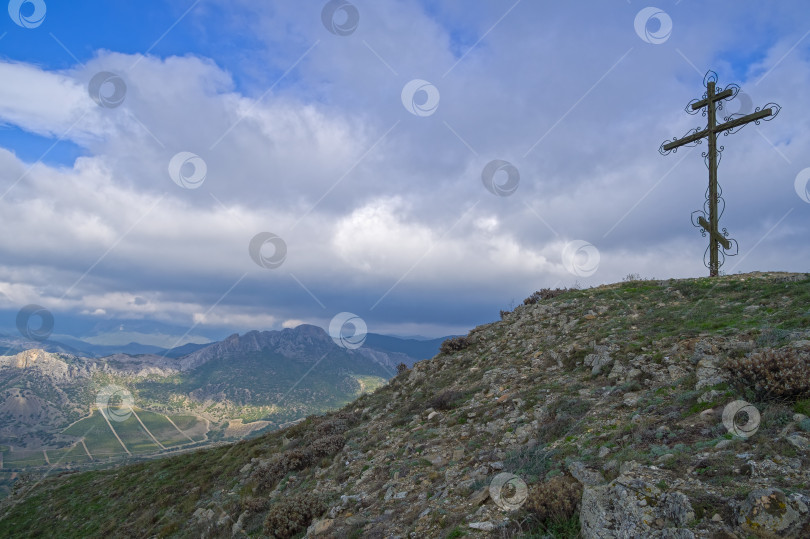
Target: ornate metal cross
x=715 y=96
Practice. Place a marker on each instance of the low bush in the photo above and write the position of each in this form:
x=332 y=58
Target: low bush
x=545 y=293
x=291 y=516
x=454 y=344
x=555 y=500
x=330 y=427
x=445 y=400
x=328 y=445
x=531 y=463
x=773 y=374
x=268 y=475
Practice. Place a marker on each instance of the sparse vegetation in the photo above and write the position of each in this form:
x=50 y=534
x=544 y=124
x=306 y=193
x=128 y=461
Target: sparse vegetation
x=544 y=294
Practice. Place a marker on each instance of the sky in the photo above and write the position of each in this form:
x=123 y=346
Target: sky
x=230 y=165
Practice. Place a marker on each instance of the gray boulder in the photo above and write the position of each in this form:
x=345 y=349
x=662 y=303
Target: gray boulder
x=630 y=507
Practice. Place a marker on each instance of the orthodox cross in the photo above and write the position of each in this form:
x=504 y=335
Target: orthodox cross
x=711 y=103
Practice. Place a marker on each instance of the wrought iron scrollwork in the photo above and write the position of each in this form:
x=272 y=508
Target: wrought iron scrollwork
x=675 y=139
x=775 y=109
x=719 y=156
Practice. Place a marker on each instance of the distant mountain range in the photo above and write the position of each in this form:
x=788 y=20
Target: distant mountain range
x=268 y=377
x=140 y=337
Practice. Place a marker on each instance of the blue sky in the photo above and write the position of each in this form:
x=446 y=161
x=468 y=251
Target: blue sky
x=377 y=196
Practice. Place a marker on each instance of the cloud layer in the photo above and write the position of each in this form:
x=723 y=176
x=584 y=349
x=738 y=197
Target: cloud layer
x=384 y=213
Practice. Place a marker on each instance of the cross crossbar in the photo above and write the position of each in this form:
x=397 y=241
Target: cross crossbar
x=708 y=228
x=719 y=129
x=717 y=97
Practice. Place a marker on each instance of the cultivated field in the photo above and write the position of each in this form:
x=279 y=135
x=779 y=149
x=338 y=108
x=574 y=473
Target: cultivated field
x=105 y=440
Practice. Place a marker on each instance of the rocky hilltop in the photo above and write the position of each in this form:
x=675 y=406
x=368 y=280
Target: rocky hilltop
x=670 y=409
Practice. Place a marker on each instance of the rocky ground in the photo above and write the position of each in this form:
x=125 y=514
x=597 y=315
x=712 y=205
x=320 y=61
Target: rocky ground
x=593 y=412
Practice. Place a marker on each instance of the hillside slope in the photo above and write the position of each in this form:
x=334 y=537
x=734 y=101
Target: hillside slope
x=605 y=403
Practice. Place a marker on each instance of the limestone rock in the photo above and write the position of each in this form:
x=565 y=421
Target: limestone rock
x=770 y=513
x=630 y=506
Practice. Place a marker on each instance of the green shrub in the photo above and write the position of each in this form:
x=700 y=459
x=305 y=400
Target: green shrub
x=776 y=416
x=292 y=515
x=530 y=463
x=802 y=407
x=455 y=533
x=771 y=337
